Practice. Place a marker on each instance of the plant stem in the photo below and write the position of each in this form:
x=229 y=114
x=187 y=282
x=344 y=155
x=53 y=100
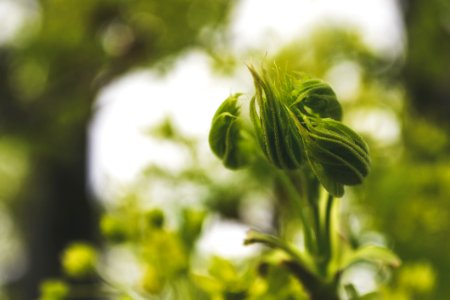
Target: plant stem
x=321 y=253
x=295 y=199
x=328 y=241
x=274 y=242
x=317 y=288
x=317 y=227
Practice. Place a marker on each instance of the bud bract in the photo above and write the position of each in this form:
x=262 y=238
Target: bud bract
x=275 y=129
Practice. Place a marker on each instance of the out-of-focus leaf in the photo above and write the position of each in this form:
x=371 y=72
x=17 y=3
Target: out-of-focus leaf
x=374 y=254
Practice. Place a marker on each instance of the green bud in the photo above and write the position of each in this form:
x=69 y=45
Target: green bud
x=337 y=154
x=225 y=136
x=275 y=129
x=316 y=98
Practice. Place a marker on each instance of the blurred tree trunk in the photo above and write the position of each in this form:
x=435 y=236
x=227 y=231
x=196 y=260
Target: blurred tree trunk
x=426 y=74
x=427 y=67
x=57 y=212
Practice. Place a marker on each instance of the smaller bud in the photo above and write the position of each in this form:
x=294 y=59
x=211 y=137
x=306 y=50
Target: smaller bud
x=316 y=98
x=225 y=136
x=79 y=260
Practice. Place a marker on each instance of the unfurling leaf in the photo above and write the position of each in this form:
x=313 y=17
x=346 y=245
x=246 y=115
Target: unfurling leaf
x=374 y=254
x=337 y=154
x=314 y=97
x=225 y=136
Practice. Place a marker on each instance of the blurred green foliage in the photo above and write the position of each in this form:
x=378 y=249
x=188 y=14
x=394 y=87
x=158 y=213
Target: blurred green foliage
x=54 y=290
x=79 y=260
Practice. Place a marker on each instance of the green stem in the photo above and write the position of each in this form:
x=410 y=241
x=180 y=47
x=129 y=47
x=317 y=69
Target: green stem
x=317 y=227
x=317 y=288
x=320 y=245
x=274 y=242
x=295 y=197
x=321 y=253
x=328 y=241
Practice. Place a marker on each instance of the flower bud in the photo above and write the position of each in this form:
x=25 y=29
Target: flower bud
x=337 y=154
x=275 y=129
x=225 y=136
x=313 y=97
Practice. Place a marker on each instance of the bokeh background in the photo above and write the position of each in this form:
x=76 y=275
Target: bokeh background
x=107 y=100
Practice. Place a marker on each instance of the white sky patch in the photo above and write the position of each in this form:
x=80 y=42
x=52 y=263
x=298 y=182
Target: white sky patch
x=362 y=277
x=345 y=78
x=226 y=239
x=380 y=124
x=378 y=20
x=270 y=24
x=11 y=16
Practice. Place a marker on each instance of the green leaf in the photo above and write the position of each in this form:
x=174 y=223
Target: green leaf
x=374 y=254
x=333 y=130
x=333 y=188
x=255 y=237
x=336 y=154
